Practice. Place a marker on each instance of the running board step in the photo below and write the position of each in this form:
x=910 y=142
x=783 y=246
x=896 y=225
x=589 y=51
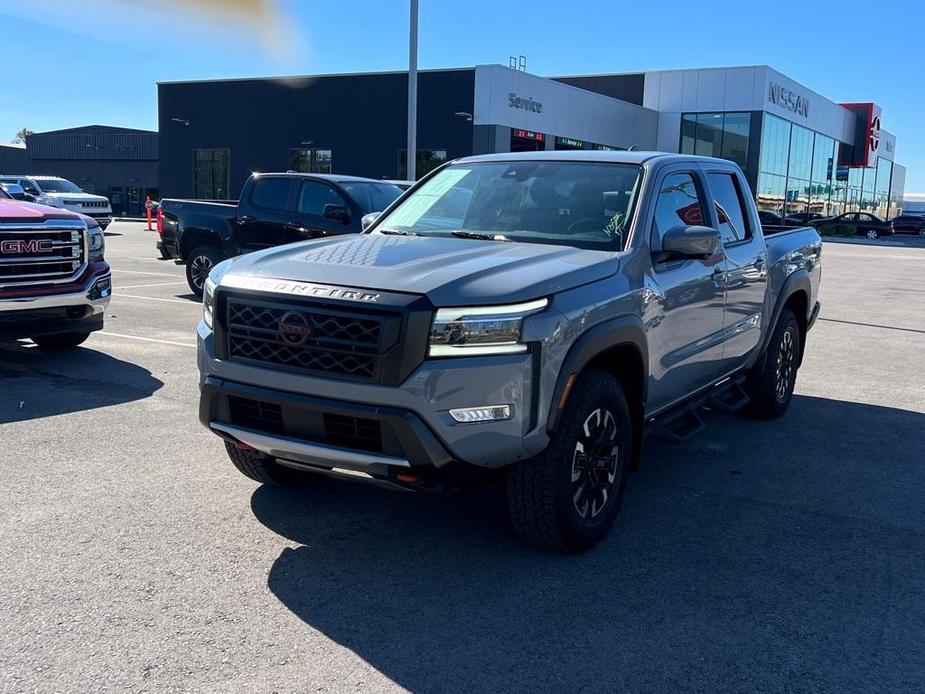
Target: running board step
x=730 y=398
x=680 y=427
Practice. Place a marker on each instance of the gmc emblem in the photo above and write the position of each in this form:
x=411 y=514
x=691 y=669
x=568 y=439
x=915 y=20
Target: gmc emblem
x=24 y=247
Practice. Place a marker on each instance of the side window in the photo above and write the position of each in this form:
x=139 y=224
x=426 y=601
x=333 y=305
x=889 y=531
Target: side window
x=678 y=204
x=314 y=196
x=271 y=193
x=730 y=207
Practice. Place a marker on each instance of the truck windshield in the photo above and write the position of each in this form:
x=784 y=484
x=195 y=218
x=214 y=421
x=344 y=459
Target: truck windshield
x=372 y=197
x=57 y=185
x=571 y=203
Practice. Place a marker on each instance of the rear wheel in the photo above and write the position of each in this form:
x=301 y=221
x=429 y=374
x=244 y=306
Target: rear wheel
x=264 y=468
x=873 y=234
x=771 y=387
x=62 y=341
x=922 y=232
x=199 y=264
x=566 y=499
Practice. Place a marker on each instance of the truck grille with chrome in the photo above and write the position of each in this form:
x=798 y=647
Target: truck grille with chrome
x=308 y=337
x=52 y=252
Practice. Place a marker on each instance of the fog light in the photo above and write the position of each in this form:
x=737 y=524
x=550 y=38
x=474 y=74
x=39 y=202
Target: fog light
x=489 y=413
x=101 y=289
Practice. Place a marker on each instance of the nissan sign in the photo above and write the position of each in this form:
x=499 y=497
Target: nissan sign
x=788 y=99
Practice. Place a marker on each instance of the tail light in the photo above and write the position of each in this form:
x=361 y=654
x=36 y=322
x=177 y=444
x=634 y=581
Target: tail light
x=160 y=221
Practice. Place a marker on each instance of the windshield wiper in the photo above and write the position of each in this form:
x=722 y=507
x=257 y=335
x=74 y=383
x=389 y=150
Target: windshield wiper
x=397 y=232
x=477 y=235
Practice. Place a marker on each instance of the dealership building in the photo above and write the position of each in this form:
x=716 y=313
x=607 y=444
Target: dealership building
x=801 y=152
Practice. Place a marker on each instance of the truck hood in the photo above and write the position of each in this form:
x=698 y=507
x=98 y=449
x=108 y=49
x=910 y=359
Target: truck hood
x=449 y=271
x=19 y=211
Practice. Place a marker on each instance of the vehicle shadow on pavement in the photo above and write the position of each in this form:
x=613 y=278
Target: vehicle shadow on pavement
x=34 y=383
x=761 y=556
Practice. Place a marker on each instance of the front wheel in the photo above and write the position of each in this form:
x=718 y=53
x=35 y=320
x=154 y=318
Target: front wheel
x=198 y=266
x=264 y=469
x=62 y=341
x=922 y=232
x=771 y=387
x=566 y=499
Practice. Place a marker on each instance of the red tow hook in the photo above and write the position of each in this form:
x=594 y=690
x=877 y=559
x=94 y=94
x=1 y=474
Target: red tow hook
x=243 y=446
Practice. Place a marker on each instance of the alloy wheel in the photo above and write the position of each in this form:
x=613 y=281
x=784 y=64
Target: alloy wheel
x=872 y=234
x=594 y=463
x=786 y=357
x=200 y=267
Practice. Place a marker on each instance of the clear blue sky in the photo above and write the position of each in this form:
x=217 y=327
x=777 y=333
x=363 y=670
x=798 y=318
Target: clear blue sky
x=97 y=61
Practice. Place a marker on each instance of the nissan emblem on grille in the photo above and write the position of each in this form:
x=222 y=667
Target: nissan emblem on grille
x=26 y=246
x=294 y=329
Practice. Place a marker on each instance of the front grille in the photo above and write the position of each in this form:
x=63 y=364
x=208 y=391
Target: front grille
x=308 y=337
x=355 y=433
x=48 y=253
x=89 y=204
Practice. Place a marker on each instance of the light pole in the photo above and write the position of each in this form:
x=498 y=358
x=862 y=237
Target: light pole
x=413 y=93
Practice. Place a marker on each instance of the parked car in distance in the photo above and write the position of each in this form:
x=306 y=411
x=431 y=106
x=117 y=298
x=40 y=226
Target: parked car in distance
x=577 y=300
x=61 y=193
x=909 y=224
x=54 y=280
x=854 y=224
x=15 y=191
x=274 y=209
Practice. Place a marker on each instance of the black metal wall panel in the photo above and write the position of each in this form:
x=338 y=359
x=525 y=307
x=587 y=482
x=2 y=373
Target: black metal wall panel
x=14 y=160
x=360 y=118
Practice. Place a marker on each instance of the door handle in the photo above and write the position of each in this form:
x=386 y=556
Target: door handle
x=246 y=219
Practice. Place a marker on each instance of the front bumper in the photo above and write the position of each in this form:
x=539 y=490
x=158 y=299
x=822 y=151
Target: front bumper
x=75 y=308
x=410 y=423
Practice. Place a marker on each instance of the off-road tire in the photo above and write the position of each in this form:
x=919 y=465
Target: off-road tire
x=770 y=398
x=542 y=501
x=62 y=341
x=202 y=258
x=265 y=469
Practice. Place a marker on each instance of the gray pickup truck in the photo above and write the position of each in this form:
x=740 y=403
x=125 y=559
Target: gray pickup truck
x=525 y=316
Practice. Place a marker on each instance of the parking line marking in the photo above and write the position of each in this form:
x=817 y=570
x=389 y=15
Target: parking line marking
x=145 y=339
x=143 y=286
x=155 y=298
x=141 y=272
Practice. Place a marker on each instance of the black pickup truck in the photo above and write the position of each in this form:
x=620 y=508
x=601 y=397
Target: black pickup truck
x=274 y=209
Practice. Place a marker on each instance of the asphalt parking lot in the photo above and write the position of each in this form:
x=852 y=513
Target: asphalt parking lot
x=773 y=557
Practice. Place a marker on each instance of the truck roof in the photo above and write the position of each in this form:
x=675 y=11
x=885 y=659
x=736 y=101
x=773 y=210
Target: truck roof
x=334 y=178
x=609 y=156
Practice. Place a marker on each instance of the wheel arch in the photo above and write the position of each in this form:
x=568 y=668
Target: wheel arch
x=794 y=295
x=194 y=237
x=619 y=347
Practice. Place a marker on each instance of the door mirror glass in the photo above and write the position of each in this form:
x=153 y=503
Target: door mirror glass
x=338 y=212
x=689 y=242
x=32 y=191
x=368 y=219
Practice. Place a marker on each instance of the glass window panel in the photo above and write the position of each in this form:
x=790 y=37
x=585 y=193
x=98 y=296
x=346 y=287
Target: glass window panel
x=427 y=161
x=775 y=145
x=678 y=204
x=709 y=134
x=688 y=133
x=801 y=153
x=770 y=199
x=797 y=199
x=272 y=193
x=730 y=207
x=314 y=196
x=210 y=173
x=736 y=127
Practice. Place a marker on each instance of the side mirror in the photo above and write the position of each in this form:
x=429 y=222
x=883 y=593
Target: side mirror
x=689 y=242
x=32 y=191
x=368 y=219
x=338 y=212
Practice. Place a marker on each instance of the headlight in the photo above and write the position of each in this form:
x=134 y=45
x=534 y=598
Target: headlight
x=463 y=332
x=97 y=243
x=208 y=301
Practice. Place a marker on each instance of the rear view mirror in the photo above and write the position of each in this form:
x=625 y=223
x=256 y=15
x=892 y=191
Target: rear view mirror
x=338 y=212
x=689 y=242
x=368 y=219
